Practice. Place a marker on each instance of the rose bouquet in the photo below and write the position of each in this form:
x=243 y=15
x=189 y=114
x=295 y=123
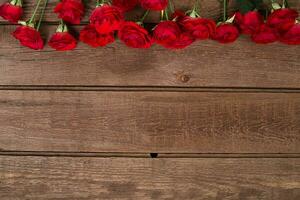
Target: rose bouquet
x=176 y=29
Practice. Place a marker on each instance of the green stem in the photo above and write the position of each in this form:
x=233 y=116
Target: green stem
x=162 y=15
x=144 y=16
x=225 y=10
x=42 y=15
x=35 y=11
x=166 y=14
x=285 y=4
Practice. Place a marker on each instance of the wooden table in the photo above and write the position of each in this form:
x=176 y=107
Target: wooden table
x=222 y=121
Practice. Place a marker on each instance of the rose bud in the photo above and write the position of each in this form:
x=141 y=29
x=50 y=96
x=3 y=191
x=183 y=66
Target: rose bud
x=62 y=40
x=90 y=36
x=200 y=28
x=292 y=36
x=29 y=37
x=166 y=33
x=125 y=5
x=70 y=11
x=282 y=19
x=12 y=11
x=134 y=35
x=264 y=35
x=249 y=23
x=154 y=4
x=106 y=18
x=226 y=33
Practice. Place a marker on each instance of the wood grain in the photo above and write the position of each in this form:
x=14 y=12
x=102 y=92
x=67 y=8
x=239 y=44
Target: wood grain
x=163 y=122
x=204 y=64
x=138 y=178
x=210 y=8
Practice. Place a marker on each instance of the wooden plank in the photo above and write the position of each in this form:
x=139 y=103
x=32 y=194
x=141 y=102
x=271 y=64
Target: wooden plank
x=210 y=8
x=140 y=178
x=204 y=64
x=144 y=122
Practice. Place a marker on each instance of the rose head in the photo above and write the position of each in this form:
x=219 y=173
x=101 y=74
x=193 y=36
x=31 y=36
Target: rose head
x=29 y=37
x=106 y=19
x=249 y=23
x=125 y=5
x=62 y=41
x=90 y=36
x=199 y=28
x=264 y=35
x=134 y=35
x=166 y=33
x=70 y=11
x=154 y=4
x=185 y=39
x=226 y=33
x=10 y=12
x=282 y=19
x=292 y=36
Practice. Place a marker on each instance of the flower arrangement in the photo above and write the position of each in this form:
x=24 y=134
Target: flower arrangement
x=176 y=29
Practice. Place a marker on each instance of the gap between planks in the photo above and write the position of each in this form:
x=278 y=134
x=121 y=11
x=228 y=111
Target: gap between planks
x=147 y=155
x=149 y=89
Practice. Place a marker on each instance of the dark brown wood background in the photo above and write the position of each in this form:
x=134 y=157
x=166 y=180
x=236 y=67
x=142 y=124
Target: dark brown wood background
x=224 y=120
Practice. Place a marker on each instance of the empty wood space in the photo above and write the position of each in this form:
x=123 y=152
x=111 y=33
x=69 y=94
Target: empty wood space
x=137 y=121
x=212 y=122
x=142 y=178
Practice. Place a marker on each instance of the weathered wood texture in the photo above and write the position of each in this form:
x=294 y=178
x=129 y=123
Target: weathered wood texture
x=176 y=122
x=137 y=178
x=204 y=64
x=210 y=8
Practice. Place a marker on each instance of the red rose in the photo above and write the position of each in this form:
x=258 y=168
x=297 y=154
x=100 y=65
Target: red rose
x=106 y=18
x=70 y=11
x=125 y=5
x=166 y=33
x=264 y=35
x=29 y=37
x=292 y=36
x=199 y=28
x=62 y=41
x=11 y=12
x=154 y=4
x=226 y=33
x=250 y=22
x=282 y=19
x=134 y=35
x=90 y=36
x=185 y=39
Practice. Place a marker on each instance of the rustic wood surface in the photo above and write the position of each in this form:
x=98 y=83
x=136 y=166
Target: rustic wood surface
x=139 y=178
x=222 y=120
x=204 y=64
x=137 y=121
